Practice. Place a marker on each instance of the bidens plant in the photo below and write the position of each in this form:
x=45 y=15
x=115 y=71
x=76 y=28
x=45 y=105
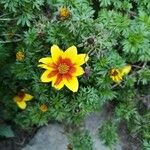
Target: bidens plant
x=117 y=74
x=68 y=86
x=22 y=98
x=63 y=67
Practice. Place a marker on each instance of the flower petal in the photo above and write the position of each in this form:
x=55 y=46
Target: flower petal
x=58 y=86
x=117 y=78
x=58 y=82
x=22 y=104
x=125 y=70
x=56 y=52
x=48 y=76
x=46 y=60
x=81 y=59
x=72 y=84
x=71 y=53
x=78 y=71
x=28 y=97
x=44 y=66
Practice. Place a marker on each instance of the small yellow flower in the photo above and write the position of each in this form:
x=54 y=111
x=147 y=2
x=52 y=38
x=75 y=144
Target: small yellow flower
x=21 y=99
x=125 y=70
x=63 y=67
x=43 y=107
x=20 y=56
x=117 y=74
x=64 y=13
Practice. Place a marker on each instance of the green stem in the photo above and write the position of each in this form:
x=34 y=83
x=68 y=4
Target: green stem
x=12 y=41
x=7 y=19
x=5 y=15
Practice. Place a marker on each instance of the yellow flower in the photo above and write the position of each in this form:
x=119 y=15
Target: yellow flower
x=63 y=67
x=125 y=70
x=117 y=74
x=43 y=108
x=21 y=99
x=20 y=56
x=64 y=13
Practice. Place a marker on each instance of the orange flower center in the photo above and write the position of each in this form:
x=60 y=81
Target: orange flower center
x=21 y=96
x=63 y=68
x=114 y=73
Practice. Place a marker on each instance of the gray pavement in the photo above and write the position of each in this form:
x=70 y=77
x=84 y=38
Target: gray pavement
x=53 y=137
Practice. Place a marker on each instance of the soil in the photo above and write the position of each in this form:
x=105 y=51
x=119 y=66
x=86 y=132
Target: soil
x=128 y=141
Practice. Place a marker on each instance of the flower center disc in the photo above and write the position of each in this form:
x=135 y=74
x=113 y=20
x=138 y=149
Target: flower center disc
x=21 y=95
x=63 y=68
x=114 y=73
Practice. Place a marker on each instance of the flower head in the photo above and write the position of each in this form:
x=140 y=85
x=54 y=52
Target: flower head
x=21 y=99
x=125 y=70
x=117 y=74
x=43 y=107
x=20 y=56
x=64 y=13
x=63 y=67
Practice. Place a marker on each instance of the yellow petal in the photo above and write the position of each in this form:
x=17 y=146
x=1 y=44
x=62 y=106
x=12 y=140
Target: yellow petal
x=59 y=86
x=81 y=59
x=21 y=104
x=71 y=53
x=125 y=70
x=44 y=66
x=56 y=52
x=79 y=71
x=46 y=60
x=72 y=84
x=28 y=97
x=118 y=79
x=45 y=78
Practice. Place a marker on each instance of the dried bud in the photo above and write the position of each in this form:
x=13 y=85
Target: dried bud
x=90 y=41
x=76 y=110
x=10 y=35
x=69 y=147
x=43 y=107
x=64 y=13
x=20 y=56
x=40 y=34
x=87 y=72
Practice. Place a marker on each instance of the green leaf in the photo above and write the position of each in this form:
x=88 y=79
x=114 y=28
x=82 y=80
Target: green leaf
x=108 y=133
x=6 y=131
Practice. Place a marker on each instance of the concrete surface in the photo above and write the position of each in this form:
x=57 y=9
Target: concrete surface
x=52 y=137
x=92 y=123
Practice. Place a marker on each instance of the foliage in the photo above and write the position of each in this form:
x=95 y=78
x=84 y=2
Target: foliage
x=81 y=141
x=113 y=33
x=108 y=133
x=146 y=145
x=6 y=131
